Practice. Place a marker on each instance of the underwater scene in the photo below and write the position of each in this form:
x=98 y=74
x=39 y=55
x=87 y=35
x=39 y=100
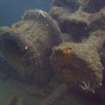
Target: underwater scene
x=52 y=52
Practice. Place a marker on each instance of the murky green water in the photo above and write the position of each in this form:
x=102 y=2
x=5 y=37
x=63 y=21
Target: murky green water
x=9 y=89
x=27 y=95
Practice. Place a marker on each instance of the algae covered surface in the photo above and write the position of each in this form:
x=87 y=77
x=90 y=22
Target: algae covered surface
x=55 y=57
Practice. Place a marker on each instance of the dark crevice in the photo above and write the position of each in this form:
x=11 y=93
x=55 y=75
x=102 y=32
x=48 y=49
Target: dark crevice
x=78 y=30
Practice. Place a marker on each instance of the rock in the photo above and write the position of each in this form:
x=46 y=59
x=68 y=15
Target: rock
x=67 y=15
x=79 y=64
x=68 y=25
x=27 y=46
x=37 y=48
x=71 y=5
x=79 y=23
